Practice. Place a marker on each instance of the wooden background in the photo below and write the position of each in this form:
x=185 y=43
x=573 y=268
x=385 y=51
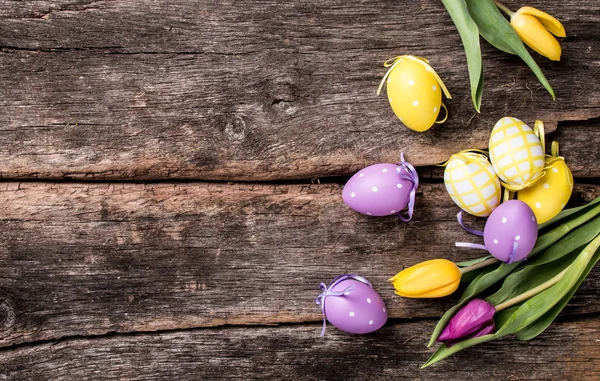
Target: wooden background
x=171 y=176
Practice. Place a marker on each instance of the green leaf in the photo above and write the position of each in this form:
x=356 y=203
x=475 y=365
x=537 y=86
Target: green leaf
x=529 y=277
x=501 y=317
x=567 y=213
x=498 y=32
x=541 y=303
x=544 y=304
x=469 y=34
x=470 y=276
x=473 y=262
x=543 y=322
x=575 y=239
x=492 y=274
x=442 y=352
x=485 y=280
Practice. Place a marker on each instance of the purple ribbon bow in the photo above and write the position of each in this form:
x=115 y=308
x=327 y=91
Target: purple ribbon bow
x=459 y=217
x=326 y=291
x=406 y=171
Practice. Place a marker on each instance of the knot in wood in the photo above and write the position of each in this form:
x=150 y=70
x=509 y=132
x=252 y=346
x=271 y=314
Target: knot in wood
x=235 y=130
x=7 y=314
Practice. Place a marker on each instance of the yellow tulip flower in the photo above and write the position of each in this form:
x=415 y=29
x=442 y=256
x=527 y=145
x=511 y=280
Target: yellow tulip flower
x=429 y=279
x=536 y=29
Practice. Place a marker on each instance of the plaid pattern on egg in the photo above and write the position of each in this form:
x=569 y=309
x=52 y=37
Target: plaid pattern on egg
x=515 y=151
x=472 y=183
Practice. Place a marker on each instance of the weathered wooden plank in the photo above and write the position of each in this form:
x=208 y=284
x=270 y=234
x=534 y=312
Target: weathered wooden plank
x=86 y=259
x=566 y=351
x=256 y=90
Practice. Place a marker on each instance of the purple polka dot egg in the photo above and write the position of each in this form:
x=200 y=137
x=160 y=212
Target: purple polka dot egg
x=511 y=231
x=359 y=310
x=378 y=190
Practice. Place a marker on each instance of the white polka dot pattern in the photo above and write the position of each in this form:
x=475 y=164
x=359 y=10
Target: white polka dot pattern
x=360 y=311
x=548 y=196
x=413 y=92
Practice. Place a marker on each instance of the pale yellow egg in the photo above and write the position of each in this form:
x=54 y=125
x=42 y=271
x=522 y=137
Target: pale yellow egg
x=516 y=153
x=472 y=183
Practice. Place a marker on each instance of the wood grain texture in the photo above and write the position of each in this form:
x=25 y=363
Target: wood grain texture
x=211 y=280
x=257 y=90
x=567 y=351
x=89 y=259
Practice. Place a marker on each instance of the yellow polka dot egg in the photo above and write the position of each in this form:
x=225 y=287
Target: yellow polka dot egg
x=472 y=183
x=415 y=92
x=550 y=194
x=516 y=153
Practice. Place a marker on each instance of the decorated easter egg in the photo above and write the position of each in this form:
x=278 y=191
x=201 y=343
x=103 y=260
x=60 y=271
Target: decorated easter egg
x=516 y=153
x=359 y=310
x=472 y=183
x=378 y=190
x=549 y=196
x=511 y=231
x=414 y=91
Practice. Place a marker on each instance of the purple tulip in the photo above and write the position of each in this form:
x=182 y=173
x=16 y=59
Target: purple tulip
x=473 y=320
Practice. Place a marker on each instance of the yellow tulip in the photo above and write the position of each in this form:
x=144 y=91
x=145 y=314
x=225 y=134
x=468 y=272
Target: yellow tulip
x=429 y=279
x=536 y=29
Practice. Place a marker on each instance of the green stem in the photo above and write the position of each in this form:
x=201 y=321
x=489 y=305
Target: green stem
x=532 y=292
x=504 y=8
x=479 y=265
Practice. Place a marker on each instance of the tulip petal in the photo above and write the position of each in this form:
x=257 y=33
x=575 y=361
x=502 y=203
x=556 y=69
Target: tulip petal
x=429 y=279
x=485 y=330
x=474 y=317
x=551 y=23
x=495 y=29
x=535 y=35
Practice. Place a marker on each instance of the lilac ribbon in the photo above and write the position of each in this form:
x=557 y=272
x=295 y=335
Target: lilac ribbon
x=406 y=171
x=471 y=245
x=511 y=257
x=326 y=291
x=459 y=217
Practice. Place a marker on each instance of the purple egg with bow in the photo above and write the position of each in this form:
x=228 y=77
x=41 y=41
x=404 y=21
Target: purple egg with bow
x=383 y=190
x=352 y=305
x=510 y=232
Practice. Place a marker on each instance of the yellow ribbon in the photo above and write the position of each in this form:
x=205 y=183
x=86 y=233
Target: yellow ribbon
x=554 y=149
x=538 y=129
x=393 y=62
x=445 y=118
x=507 y=195
x=461 y=155
x=554 y=157
x=515 y=188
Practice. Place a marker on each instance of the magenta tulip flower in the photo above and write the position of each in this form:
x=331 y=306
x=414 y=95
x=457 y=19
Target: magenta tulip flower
x=473 y=320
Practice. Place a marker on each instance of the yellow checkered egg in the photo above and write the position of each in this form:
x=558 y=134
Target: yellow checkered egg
x=548 y=196
x=472 y=183
x=516 y=152
x=414 y=94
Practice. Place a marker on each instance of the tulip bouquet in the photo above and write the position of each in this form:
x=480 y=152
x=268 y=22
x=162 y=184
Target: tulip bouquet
x=531 y=296
x=529 y=25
